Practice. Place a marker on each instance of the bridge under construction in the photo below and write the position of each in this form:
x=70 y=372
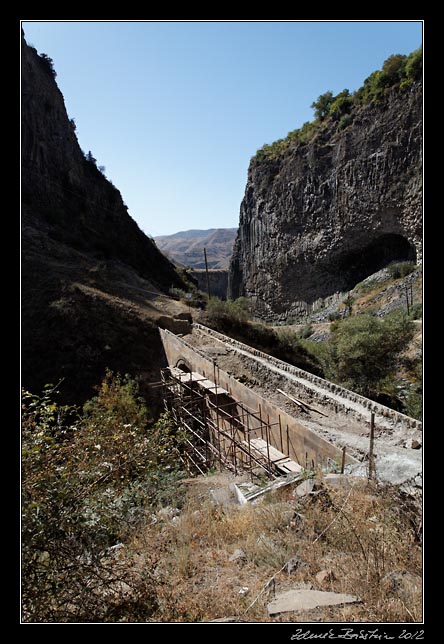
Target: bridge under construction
x=281 y=421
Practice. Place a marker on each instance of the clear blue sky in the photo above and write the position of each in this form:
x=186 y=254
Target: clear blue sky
x=175 y=110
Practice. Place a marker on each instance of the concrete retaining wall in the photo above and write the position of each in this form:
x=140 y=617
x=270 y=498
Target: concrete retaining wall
x=303 y=446
x=361 y=407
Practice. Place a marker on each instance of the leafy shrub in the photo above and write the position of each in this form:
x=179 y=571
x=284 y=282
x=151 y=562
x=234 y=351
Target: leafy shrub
x=341 y=105
x=177 y=292
x=323 y=105
x=416 y=311
x=219 y=311
x=363 y=350
x=48 y=64
x=89 y=478
x=413 y=66
x=306 y=332
x=345 y=121
x=401 y=269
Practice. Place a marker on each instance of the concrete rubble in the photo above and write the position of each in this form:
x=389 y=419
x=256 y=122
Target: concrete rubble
x=297 y=600
x=309 y=486
x=238 y=556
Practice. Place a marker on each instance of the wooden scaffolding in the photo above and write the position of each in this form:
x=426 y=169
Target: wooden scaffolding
x=220 y=431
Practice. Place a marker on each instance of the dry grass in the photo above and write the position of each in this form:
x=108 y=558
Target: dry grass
x=360 y=536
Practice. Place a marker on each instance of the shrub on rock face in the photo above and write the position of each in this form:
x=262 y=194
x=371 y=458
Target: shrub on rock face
x=48 y=64
x=401 y=269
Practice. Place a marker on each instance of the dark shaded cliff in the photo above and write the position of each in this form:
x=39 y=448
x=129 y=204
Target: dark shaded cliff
x=321 y=216
x=89 y=274
x=67 y=195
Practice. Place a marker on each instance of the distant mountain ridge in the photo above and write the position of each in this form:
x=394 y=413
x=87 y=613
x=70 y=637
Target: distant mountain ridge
x=187 y=247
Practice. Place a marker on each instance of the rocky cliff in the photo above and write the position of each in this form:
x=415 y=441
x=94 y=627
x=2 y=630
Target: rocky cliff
x=67 y=195
x=322 y=215
x=89 y=274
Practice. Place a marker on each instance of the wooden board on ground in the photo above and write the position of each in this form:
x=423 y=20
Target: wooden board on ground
x=279 y=460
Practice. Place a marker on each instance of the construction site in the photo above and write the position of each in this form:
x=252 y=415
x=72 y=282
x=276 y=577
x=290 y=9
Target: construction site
x=249 y=412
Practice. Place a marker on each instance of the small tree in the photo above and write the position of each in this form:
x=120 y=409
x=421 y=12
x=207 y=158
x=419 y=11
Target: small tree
x=349 y=301
x=413 y=66
x=392 y=71
x=48 y=64
x=342 y=104
x=322 y=105
x=90 y=158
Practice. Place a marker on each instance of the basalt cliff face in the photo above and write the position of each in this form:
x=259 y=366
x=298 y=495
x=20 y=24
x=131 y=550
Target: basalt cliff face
x=323 y=215
x=88 y=271
x=68 y=196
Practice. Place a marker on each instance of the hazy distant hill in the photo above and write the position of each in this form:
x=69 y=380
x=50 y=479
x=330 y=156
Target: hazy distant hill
x=187 y=247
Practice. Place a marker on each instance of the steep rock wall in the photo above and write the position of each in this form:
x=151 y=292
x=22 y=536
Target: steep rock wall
x=77 y=233
x=322 y=216
x=68 y=197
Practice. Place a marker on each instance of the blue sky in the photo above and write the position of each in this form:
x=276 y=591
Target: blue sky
x=175 y=110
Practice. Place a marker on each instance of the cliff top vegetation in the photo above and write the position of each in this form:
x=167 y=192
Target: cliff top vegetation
x=398 y=72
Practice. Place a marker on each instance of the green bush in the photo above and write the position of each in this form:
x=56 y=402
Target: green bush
x=341 y=105
x=363 y=350
x=413 y=66
x=413 y=404
x=416 y=311
x=306 y=332
x=219 y=311
x=400 y=269
x=398 y=71
x=89 y=478
x=345 y=121
x=322 y=105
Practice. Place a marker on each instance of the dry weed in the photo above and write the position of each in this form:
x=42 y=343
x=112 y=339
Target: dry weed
x=359 y=536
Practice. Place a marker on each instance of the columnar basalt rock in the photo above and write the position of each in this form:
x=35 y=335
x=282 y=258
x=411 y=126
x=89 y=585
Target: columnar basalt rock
x=68 y=197
x=322 y=216
x=84 y=259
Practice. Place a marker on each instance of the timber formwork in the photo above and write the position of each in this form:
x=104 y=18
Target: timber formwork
x=220 y=431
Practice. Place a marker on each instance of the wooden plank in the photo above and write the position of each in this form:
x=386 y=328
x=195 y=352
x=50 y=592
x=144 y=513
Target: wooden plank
x=280 y=460
x=264 y=448
x=301 y=404
x=289 y=466
x=196 y=377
